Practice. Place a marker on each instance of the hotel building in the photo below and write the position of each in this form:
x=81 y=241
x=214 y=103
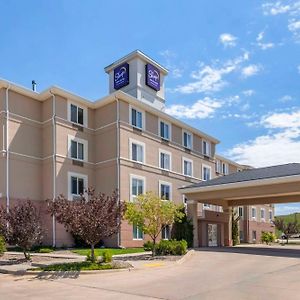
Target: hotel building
x=56 y=142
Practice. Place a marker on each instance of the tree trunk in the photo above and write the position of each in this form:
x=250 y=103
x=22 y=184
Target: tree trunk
x=287 y=239
x=27 y=256
x=93 y=253
x=154 y=247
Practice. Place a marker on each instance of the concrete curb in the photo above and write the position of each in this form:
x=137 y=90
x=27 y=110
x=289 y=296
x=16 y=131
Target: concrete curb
x=61 y=273
x=186 y=257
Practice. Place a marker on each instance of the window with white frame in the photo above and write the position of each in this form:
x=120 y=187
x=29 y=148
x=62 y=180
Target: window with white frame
x=241 y=235
x=187 y=140
x=253 y=212
x=78 y=148
x=270 y=215
x=262 y=213
x=206 y=172
x=137 y=232
x=77 y=114
x=254 y=235
x=137 y=151
x=137 y=186
x=241 y=211
x=165 y=130
x=77 y=185
x=165 y=190
x=136 y=118
x=187 y=167
x=218 y=166
x=164 y=160
x=206 y=148
x=225 y=168
x=165 y=232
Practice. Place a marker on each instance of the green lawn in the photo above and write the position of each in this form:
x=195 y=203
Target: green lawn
x=114 y=251
x=76 y=266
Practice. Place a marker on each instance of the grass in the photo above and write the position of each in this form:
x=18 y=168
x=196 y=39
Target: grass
x=76 y=266
x=114 y=251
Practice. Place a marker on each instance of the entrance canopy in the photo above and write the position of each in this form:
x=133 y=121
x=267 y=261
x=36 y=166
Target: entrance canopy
x=276 y=184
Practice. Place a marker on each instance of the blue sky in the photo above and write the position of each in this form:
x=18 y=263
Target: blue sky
x=234 y=65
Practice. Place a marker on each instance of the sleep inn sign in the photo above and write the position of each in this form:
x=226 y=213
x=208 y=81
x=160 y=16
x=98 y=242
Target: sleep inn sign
x=152 y=77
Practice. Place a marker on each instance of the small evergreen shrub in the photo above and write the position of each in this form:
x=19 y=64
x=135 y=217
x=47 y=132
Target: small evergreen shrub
x=45 y=250
x=148 y=246
x=267 y=237
x=171 y=247
x=107 y=256
x=2 y=245
x=89 y=257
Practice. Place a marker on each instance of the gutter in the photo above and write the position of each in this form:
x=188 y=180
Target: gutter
x=54 y=164
x=118 y=162
x=7 y=149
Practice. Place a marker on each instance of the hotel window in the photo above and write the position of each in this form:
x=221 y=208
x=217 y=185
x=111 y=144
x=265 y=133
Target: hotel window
x=253 y=212
x=206 y=173
x=187 y=166
x=218 y=166
x=165 y=190
x=137 y=232
x=187 y=140
x=77 y=114
x=136 y=118
x=165 y=232
x=206 y=148
x=224 y=168
x=270 y=215
x=262 y=214
x=164 y=160
x=241 y=210
x=78 y=148
x=241 y=235
x=137 y=151
x=165 y=130
x=77 y=185
x=254 y=235
x=137 y=186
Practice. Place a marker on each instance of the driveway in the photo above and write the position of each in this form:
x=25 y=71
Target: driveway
x=228 y=273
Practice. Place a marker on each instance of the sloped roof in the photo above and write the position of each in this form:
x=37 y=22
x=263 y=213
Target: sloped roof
x=252 y=174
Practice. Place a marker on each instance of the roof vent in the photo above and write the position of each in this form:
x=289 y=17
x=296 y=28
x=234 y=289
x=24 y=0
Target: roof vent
x=33 y=85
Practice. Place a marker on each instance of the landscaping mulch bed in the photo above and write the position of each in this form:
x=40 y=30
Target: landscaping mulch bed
x=148 y=257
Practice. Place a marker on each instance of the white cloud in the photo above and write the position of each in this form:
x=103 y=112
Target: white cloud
x=201 y=109
x=286 y=98
x=280 y=145
x=298 y=69
x=174 y=70
x=228 y=40
x=210 y=78
x=248 y=93
x=251 y=70
x=283 y=209
x=261 y=44
x=276 y=8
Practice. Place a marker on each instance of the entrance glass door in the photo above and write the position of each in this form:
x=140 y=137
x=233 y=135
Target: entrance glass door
x=212 y=235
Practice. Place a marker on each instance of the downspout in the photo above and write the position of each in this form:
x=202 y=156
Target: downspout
x=7 y=149
x=118 y=163
x=54 y=164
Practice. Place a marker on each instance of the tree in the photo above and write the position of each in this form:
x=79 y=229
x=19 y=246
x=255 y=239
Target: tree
x=288 y=228
x=92 y=219
x=151 y=214
x=21 y=226
x=183 y=229
x=235 y=228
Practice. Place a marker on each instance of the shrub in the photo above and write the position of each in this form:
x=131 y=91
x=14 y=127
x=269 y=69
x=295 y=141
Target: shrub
x=45 y=250
x=148 y=246
x=171 y=247
x=2 y=246
x=267 y=237
x=183 y=230
x=91 y=258
x=107 y=256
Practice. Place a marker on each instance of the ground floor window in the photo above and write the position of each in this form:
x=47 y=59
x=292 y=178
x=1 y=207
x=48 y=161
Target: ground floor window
x=137 y=232
x=165 y=232
x=241 y=235
x=254 y=235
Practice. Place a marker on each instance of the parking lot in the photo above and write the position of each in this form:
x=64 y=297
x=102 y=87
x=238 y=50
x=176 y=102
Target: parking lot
x=220 y=273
